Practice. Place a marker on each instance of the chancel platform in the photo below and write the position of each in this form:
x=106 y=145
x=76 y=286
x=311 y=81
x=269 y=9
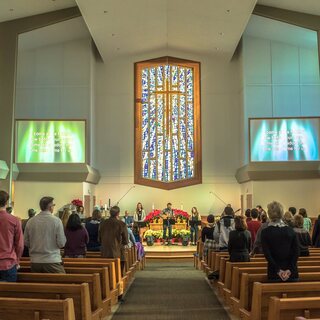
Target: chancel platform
x=174 y=251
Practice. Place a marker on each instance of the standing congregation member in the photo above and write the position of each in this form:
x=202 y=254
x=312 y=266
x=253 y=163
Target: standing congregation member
x=257 y=246
x=31 y=214
x=254 y=225
x=288 y=219
x=77 y=238
x=304 y=239
x=223 y=228
x=239 y=241
x=167 y=215
x=316 y=233
x=280 y=246
x=248 y=215
x=44 y=236
x=114 y=236
x=65 y=216
x=92 y=226
x=11 y=241
x=307 y=224
x=80 y=212
x=293 y=210
x=194 y=228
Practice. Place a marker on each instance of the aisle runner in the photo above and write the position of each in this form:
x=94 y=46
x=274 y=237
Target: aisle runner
x=170 y=291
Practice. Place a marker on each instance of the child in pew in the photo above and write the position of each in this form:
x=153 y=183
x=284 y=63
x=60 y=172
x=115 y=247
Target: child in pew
x=239 y=241
x=139 y=245
x=77 y=238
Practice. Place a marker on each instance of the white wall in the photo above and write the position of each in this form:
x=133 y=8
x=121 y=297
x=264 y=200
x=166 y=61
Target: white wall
x=220 y=105
x=280 y=80
x=299 y=194
x=27 y=194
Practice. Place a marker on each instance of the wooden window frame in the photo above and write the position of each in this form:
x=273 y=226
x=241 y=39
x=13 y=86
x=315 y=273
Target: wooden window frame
x=138 y=179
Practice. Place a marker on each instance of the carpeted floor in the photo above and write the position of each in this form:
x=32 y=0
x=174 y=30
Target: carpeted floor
x=170 y=291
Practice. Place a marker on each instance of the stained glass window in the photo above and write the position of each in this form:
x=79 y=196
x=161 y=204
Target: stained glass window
x=167 y=117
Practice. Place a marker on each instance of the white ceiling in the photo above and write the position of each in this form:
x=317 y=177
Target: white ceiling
x=265 y=28
x=306 y=6
x=14 y=9
x=64 y=31
x=132 y=27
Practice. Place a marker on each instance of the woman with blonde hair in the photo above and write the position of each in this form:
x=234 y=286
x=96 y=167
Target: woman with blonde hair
x=280 y=246
x=65 y=216
x=288 y=219
x=194 y=225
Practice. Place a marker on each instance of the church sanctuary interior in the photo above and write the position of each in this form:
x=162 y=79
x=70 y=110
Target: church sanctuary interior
x=160 y=159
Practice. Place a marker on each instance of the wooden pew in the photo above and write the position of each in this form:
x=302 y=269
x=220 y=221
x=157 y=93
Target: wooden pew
x=114 y=271
x=263 y=291
x=78 y=292
x=287 y=309
x=93 y=280
x=35 y=309
x=237 y=282
x=109 y=295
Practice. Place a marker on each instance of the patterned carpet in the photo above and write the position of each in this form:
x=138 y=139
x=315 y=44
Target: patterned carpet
x=170 y=291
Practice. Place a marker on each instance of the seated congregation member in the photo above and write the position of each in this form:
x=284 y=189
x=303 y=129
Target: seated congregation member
x=44 y=236
x=207 y=236
x=11 y=241
x=114 y=236
x=92 y=226
x=223 y=228
x=239 y=241
x=139 y=245
x=257 y=247
x=280 y=246
x=77 y=238
x=303 y=236
x=307 y=224
x=288 y=219
x=254 y=225
x=128 y=220
x=194 y=228
x=316 y=233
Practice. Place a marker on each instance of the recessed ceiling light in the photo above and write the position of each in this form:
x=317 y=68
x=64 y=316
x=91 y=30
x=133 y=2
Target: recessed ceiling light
x=113 y=34
x=217 y=48
x=11 y=9
x=118 y=49
x=105 y=11
x=228 y=11
x=221 y=33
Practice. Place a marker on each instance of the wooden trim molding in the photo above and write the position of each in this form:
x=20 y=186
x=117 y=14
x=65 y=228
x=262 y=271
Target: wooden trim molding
x=138 y=178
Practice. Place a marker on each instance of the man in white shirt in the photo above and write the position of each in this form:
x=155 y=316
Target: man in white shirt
x=44 y=236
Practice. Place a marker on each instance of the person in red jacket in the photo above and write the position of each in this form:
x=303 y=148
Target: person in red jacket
x=11 y=241
x=254 y=224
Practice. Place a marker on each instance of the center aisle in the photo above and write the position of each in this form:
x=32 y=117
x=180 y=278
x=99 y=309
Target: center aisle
x=170 y=291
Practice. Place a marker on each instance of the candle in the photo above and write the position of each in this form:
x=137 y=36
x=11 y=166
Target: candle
x=153 y=206
x=105 y=207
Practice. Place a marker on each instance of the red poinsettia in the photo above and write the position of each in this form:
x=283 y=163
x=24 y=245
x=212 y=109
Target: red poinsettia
x=77 y=202
x=156 y=213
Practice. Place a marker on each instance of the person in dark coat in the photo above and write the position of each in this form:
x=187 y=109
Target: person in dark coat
x=316 y=233
x=280 y=247
x=239 y=241
x=303 y=236
x=113 y=235
x=92 y=225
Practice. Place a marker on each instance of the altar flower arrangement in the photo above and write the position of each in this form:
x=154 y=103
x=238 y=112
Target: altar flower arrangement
x=77 y=202
x=180 y=214
x=153 y=215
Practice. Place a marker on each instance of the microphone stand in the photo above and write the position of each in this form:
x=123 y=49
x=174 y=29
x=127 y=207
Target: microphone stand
x=125 y=194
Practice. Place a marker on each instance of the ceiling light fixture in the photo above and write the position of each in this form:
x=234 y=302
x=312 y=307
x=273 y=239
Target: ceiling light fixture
x=228 y=11
x=11 y=9
x=105 y=11
x=221 y=33
x=113 y=34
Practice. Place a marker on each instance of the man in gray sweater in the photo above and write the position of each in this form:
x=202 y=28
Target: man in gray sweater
x=44 y=236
